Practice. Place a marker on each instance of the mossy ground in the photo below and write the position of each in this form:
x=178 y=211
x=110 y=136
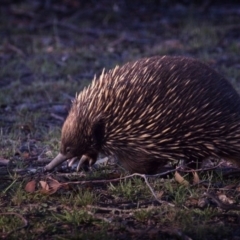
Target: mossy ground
x=50 y=52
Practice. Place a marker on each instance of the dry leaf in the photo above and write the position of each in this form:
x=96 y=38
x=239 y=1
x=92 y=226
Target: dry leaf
x=30 y=186
x=160 y=194
x=180 y=179
x=196 y=179
x=230 y=186
x=191 y=202
x=225 y=199
x=54 y=185
x=25 y=155
x=51 y=186
x=203 y=202
x=45 y=187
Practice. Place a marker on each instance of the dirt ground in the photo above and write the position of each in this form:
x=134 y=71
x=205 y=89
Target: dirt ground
x=50 y=50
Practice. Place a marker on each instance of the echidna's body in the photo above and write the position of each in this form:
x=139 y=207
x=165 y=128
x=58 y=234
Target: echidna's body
x=151 y=111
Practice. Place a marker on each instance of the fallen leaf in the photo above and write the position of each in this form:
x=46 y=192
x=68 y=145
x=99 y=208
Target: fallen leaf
x=160 y=194
x=54 y=185
x=25 y=155
x=225 y=199
x=45 y=187
x=203 y=202
x=230 y=186
x=30 y=186
x=196 y=179
x=51 y=186
x=191 y=202
x=180 y=179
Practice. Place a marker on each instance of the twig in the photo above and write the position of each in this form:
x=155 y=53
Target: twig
x=153 y=193
x=220 y=204
x=109 y=209
x=232 y=173
x=57 y=117
x=15 y=49
x=200 y=169
x=99 y=217
x=12 y=183
x=122 y=178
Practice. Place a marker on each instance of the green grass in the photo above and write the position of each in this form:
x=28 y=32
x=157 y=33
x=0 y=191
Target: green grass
x=132 y=190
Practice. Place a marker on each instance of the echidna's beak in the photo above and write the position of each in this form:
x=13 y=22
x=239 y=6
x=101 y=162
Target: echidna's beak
x=60 y=158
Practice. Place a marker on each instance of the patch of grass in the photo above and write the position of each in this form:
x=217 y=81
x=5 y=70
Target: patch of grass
x=143 y=215
x=39 y=91
x=202 y=218
x=233 y=75
x=81 y=198
x=185 y=218
x=133 y=189
x=19 y=196
x=73 y=217
x=200 y=35
x=8 y=144
x=177 y=192
x=85 y=197
x=9 y=222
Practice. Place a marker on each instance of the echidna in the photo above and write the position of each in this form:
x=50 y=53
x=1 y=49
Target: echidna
x=151 y=111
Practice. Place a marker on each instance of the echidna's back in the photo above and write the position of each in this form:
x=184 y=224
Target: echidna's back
x=171 y=91
x=165 y=108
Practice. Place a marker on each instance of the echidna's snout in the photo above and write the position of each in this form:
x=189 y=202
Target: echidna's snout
x=85 y=162
x=60 y=158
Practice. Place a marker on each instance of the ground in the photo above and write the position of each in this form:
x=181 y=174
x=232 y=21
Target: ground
x=49 y=50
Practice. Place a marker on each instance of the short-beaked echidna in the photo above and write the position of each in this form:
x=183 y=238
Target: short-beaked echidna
x=152 y=111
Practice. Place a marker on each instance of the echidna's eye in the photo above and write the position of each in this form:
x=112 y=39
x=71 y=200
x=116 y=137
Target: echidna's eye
x=68 y=150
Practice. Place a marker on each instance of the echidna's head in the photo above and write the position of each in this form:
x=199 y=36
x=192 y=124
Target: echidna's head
x=74 y=139
x=82 y=134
